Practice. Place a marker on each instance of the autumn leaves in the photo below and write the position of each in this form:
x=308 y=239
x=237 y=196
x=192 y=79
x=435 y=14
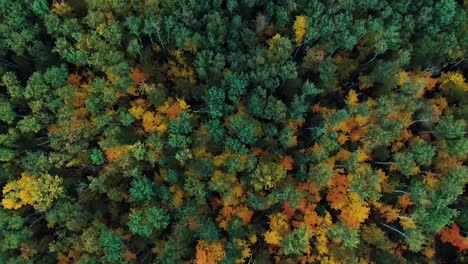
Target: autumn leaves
x=37 y=190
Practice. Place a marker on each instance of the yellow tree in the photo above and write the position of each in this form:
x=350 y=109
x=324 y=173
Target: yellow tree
x=454 y=79
x=154 y=122
x=279 y=226
x=39 y=191
x=355 y=212
x=300 y=29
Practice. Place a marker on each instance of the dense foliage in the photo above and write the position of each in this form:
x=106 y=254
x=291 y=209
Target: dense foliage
x=235 y=131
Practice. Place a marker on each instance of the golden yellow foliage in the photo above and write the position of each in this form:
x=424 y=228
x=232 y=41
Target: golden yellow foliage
x=300 y=29
x=154 y=122
x=11 y=198
x=361 y=120
x=352 y=98
x=276 y=37
x=37 y=191
x=440 y=106
x=342 y=138
x=346 y=126
x=27 y=188
x=321 y=241
x=403 y=77
x=279 y=226
x=272 y=238
x=455 y=78
x=429 y=252
x=327 y=220
x=138 y=108
x=182 y=104
x=407 y=223
x=253 y=239
x=362 y=155
x=132 y=90
x=356 y=212
x=245 y=252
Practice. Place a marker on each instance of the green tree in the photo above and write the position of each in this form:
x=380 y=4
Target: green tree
x=423 y=152
x=141 y=190
x=7 y=114
x=97 y=157
x=349 y=237
x=449 y=128
x=112 y=246
x=148 y=221
x=296 y=242
x=14 y=231
x=71 y=215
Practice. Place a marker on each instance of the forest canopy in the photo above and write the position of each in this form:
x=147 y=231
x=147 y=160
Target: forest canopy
x=233 y=131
